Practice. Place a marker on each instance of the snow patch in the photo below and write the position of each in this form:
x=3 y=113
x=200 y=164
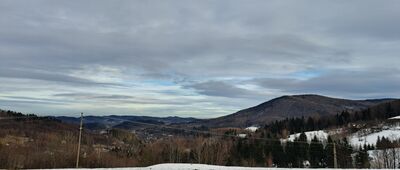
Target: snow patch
x=242 y=135
x=396 y=117
x=320 y=134
x=252 y=128
x=377 y=155
x=183 y=166
x=363 y=137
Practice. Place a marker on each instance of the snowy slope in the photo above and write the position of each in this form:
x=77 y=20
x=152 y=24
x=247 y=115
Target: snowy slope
x=206 y=167
x=181 y=166
x=360 y=138
x=252 y=128
x=321 y=135
x=396 y=117
x=375 y=156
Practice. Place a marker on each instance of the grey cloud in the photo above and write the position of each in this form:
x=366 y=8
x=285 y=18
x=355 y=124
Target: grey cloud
x=94 y=96
x=46 y=76
x=222 y=89
x=171 y=43
x=114 y=97
x=376 y=23
x=11 y=100
x=185 y=42
x=357 y=84
x=98 y=97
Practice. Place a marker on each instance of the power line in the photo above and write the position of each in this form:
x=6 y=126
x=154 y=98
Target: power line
x=211 y=133
x=334 y=156
x=20 y=117
x=79 y=141
x=235 y=136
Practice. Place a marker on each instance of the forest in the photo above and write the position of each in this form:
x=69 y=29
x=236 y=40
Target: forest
x=29 y=141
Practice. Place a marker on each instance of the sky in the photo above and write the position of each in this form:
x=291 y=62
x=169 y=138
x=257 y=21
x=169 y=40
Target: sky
x=195 y=58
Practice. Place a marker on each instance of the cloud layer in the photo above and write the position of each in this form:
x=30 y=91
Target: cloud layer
x=192 y=58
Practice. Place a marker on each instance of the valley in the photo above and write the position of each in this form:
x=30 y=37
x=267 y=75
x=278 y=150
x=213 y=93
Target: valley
x=131 y=141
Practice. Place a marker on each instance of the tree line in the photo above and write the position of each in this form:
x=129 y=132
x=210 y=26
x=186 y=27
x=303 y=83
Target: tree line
x=47 y=143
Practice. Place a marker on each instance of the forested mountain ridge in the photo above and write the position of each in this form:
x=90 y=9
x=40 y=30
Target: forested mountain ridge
x=381 y=113
x=292 y=106
x=115 y=147
x=275 y=109
x=31 y=141
x=104 y=122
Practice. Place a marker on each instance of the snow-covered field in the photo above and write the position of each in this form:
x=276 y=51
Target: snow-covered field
x=370 y=135
x=367 y=136
x=364 y=136
x=377 y=157
x=252 y=128
x=396 y=117
x=321 y=135
x=357 y=139
x=181 y=166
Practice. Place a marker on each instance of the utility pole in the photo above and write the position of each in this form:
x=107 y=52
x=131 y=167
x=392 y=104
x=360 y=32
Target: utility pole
x=79 y=141
x=334 y=156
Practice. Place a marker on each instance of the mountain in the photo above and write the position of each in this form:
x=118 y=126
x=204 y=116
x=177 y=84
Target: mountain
x=28 y=141
x=124 y=122
x=275 y=109
x=291 y=106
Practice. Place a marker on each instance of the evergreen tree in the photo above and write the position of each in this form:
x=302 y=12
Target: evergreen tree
x=329 y=153
x=257 y=152
x=302 y=149
x=344 y=151
x=362 y=160
x=310 y=124
x=279 y=158
x=316 y=153
x=291 y=154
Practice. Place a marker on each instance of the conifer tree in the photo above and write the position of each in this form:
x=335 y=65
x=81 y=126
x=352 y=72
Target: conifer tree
x=302 y=148
x=316 y=153
x=279 y=158
x=344 y=151
x=329 y=153
x=362 y=160
x=291 y=154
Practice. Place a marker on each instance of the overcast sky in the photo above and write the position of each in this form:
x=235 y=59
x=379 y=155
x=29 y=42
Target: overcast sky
x=192 y=58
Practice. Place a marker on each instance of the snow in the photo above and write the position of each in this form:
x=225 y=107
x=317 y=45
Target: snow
x=369 y=137
x=183 y=166
x=252 y=128
x=242 y=135
x=396 y=117
x=199 y=167
x=377 y=155
x=321 y=135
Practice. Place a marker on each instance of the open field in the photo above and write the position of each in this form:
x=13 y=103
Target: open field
x=179 y=166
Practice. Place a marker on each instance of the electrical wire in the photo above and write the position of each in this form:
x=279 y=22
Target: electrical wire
x=206 y=132
x=235 y=136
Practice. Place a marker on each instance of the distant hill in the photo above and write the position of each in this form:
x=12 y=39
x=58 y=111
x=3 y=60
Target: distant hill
x=275 y=109
x=124 y=122
x=291 y=106
x=28 y=141
x=17 y=122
